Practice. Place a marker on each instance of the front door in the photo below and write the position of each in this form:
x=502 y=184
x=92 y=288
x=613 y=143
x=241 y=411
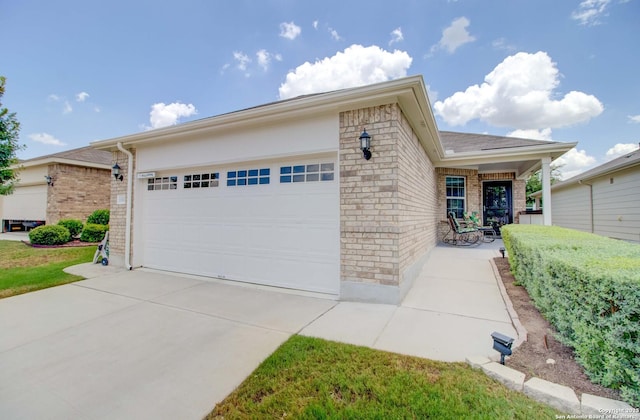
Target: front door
x=497 y=203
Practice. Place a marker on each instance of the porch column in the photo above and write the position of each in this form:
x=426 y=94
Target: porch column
x=546 y=191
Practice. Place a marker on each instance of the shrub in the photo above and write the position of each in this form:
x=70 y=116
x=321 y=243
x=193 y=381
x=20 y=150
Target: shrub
x=93 y=232
x=588 y=287
x=99 y=217
x=49 y=235
x=73 y=225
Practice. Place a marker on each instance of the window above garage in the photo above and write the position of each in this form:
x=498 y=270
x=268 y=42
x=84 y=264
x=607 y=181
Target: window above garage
x=207 y=180
x=248 y=177
x=162 y=183
x=307 y=173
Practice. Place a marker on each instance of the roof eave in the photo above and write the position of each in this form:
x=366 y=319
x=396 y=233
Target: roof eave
x=52 y=160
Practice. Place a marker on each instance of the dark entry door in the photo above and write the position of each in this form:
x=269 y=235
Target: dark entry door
x=498 y=203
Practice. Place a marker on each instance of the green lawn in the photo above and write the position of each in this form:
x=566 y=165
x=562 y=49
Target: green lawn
x=24 y=269
x=316 y=379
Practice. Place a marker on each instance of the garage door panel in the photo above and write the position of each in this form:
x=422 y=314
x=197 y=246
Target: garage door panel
x=276 y=234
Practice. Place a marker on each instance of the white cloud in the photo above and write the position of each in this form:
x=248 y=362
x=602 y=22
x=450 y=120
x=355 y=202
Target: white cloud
x=356 y=66
x=163 y=115
x=573 y=163
x=334 y=34
x=47 y=139
x=502 y=44
x=67 y=108
x=264 y=58
x=396 y=36
x=621 y=149
x=242 y=60
x=53 y=97
x=289 y=30
x=82 y=96
x=634 y=119
x=454 y=36
x=590 y=11
x=543 y=134
x=519 y=93
x=315 y=24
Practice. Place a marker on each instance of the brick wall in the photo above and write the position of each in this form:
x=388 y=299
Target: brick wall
x=117 y=223
x=386 y=204
x=77 y=192
x=474 y=182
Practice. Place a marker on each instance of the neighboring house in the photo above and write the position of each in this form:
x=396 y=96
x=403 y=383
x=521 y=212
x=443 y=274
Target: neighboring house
x=604 y=200
x=281 y=195
x=70 y=184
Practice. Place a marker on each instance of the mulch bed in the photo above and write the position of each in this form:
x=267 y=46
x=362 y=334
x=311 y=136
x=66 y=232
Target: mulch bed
x=542 y=355
x=71 y=244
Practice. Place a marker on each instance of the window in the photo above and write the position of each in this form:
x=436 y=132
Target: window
x=307 y=173
x=455 y=195
x=163 y=183
x=208 y=180
x=248 y=177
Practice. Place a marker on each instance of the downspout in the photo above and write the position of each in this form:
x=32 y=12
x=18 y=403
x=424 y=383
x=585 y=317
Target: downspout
x=590 y=202
x=127 y=230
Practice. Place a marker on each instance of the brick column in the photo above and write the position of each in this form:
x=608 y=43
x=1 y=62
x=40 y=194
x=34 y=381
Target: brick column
x=117 y=223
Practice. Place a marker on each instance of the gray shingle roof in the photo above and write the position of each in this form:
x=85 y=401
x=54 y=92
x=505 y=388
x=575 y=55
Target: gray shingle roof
x=82 y=154
x=469 y=142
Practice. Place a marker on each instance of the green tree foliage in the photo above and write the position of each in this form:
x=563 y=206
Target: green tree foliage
x=534 y=183
x=9 y=130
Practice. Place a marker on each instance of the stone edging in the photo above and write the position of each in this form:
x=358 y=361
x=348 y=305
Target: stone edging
x=558 y=396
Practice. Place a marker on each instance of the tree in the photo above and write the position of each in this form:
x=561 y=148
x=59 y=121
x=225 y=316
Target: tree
x=9 y=146
x=534 y=183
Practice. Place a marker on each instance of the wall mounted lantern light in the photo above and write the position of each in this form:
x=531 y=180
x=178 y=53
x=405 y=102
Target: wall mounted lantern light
x=49 y=180
x=116 y=172
x=365 y=144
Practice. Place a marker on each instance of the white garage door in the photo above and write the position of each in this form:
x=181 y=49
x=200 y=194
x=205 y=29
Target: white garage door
x=275 y=224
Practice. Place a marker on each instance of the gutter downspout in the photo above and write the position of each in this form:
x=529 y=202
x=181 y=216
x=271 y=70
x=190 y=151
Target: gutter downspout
x=127 y=231
x=590 y=202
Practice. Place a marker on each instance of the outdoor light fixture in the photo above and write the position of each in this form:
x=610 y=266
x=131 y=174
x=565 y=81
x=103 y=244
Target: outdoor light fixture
x=502 y=344
x=365 y=144
x=502 y=251
x=116 y=172
x=49 y=180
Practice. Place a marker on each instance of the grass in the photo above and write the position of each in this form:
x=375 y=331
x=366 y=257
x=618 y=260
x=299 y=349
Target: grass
x=311 y=378
x=24 y=269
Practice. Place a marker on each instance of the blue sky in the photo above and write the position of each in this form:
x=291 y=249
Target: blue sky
x=79 y=71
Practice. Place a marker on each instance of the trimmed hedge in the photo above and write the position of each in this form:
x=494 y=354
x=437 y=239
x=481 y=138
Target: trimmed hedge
x=93 y=232
x=73 y=225
x=49 y=235
x=99 y=217
x=588 y=287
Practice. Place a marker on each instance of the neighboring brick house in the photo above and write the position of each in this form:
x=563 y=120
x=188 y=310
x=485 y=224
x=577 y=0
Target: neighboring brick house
x=65 y=185
x=281 y=195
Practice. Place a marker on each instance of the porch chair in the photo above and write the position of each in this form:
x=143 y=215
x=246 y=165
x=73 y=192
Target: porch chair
x=461 y=236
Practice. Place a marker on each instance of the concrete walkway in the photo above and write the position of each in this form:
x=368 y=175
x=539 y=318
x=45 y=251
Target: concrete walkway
x=142 y=344
x=449 y=313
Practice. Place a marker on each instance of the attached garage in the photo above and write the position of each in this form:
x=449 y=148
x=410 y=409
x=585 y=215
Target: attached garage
x=268 y=222
x=285 y=194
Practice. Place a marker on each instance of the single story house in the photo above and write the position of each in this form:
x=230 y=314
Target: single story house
x=604 y=200
x=282 y=194
x=65 y=185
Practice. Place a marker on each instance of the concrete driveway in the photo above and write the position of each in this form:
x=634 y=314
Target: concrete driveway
x=139 y=344
x=143 y=344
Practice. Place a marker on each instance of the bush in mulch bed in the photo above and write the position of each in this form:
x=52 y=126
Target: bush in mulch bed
x=49 y=235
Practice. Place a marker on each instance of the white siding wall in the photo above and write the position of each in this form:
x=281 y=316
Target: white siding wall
x=616 y=205
x=571 y=207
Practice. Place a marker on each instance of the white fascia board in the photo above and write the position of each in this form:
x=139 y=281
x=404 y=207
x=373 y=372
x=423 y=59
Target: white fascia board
x=409 y=92
x=506 y=155
x=52 y=160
